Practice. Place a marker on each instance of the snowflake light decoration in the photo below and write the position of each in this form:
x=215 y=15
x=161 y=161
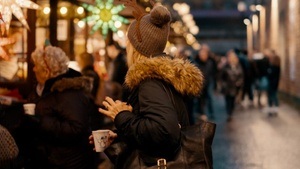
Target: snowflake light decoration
x=105 y=14
x=9 y=7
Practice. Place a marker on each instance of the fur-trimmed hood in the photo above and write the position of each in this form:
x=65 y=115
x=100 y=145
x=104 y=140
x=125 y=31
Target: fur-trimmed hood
x=186 y=78
x=83 y=82
x=70 y=80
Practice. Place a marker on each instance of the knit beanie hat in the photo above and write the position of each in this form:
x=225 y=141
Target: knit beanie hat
x=149 y=33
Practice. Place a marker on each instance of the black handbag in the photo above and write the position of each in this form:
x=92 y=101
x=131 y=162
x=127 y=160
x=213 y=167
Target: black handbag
x=195 y=150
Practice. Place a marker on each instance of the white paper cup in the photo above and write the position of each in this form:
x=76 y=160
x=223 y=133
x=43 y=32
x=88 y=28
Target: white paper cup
x=101 y=139
x=29 y=108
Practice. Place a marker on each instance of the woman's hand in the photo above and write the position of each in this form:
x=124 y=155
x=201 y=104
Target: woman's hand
x=112 y=136
x=114 y=107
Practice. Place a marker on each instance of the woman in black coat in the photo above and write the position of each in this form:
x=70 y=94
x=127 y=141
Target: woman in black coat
x=149 y=121
x=273 y=79
x=61 y=123
x=231 y=81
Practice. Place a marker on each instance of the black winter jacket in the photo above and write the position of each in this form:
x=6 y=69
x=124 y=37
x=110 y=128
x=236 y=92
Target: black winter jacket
x=62 y=123
x=232 y=79
x=153 y=126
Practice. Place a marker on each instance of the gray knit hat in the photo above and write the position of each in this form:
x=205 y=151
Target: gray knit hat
x=149 y=33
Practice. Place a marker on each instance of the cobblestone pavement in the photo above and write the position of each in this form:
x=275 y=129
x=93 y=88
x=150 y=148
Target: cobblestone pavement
x=254 y=140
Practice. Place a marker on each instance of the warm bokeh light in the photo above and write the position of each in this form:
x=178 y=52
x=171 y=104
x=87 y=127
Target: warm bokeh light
x=148 y=9
x=120 y=33
x=80 y=10
x=81 y=24
x=253 y=8
x=102 y=52
x=258 y=7
x=184 y=9
x=46 y=10
x=173 y=49
x=118 y=24
x=196 y=46
x=242 y=6
x=63 y=10
x=194 y=30
x=255 y=23
x=247 y=21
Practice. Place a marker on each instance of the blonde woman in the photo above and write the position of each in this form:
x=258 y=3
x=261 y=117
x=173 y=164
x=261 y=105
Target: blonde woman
x=150 y=121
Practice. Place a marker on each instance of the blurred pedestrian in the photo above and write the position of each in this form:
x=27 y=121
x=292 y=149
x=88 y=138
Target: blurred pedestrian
x=98 y=121
x=149 y=122
x=86 y=64
x=232 y=81
x=248 y=71
x=273 y=78
x=261 y=64
x=117 y=67
x=60 y=126
x=186 y=54
x=208 y=67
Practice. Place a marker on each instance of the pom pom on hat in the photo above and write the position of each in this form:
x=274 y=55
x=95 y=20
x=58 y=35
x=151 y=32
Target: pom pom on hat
x=149 y=34
x=160 y=16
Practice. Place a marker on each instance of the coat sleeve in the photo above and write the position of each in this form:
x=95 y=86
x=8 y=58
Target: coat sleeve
x=155 y=126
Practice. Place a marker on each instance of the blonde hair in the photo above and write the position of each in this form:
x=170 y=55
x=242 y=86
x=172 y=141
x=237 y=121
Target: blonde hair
x=51 y=58
x=133 y=55
x=232 y=57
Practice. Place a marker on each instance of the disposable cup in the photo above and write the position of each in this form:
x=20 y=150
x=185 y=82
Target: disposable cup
x=101 y=139
x=29 y=108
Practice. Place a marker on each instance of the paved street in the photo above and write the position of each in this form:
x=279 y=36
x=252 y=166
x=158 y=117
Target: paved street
x=252 y=140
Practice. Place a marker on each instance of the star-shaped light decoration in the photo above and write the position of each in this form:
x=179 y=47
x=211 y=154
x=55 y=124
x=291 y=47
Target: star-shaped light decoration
x=9 y=7
x=4 y=40
x=104 y=14
x=3 y=50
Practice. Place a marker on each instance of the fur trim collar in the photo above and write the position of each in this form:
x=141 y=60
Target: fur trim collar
x=186 y=78
x=81 y=82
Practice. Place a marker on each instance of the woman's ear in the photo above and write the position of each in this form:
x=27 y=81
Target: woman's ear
x=47 y=73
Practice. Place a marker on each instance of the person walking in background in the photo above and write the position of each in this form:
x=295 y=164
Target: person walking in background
x=231 y=81
x=209 y=69
x=273 y=78
x=117 y=67
x=61 y=125
x=86 y=64
x=186 y=54
x=150 y=121
x=261 y=64
x=97 y=121
x=248 y=72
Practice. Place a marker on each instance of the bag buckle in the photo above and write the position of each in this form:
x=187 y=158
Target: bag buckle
x=161 y=163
